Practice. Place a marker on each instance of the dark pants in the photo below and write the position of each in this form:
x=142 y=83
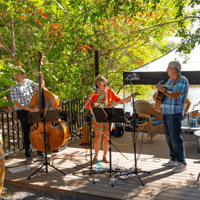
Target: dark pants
x=172 y=126
x=22 y=115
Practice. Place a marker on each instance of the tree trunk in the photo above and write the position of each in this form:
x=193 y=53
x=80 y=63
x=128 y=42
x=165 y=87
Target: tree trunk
x=13 y=42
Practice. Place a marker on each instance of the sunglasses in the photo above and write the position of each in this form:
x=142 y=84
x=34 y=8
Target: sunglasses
x=21 y=73
x=170 y=68
x=104 y=85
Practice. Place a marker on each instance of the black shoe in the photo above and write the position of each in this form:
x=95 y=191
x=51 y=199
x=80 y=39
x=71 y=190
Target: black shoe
x=29 y=160
x=40 y=156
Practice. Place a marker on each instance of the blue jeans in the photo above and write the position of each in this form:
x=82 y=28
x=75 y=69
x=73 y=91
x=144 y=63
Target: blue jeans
x=172 y=127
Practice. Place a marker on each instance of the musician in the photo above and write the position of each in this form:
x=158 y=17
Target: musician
x=173 y=110
x=105 y=96
x=21 y=94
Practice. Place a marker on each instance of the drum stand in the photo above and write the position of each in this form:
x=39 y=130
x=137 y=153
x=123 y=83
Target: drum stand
x=44 y=116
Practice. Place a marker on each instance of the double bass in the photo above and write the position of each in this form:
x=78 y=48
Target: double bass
x=57 y=132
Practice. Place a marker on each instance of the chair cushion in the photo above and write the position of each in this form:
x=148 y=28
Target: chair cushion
x=156 y=121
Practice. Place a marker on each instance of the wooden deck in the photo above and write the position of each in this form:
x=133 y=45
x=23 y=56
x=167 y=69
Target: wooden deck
x=161 y=183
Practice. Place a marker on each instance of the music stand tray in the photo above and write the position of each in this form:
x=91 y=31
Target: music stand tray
x=109 y=115
x=44 y=116
x=36 y=117
x=113 y=115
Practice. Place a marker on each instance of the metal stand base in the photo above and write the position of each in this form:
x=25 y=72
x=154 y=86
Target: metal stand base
x=44 y=117
x=198 y=176
x=46 y=164
x=136 y=171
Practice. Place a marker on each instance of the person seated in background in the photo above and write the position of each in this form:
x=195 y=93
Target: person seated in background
x=195 y=105
x=187 y=106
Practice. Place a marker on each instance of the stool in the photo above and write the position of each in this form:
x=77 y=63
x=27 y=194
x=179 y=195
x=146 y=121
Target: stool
x=197 y=133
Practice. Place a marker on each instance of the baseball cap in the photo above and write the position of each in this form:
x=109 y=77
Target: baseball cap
x=22 y=70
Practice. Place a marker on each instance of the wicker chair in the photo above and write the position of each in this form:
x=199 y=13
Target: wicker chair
x=145 y=108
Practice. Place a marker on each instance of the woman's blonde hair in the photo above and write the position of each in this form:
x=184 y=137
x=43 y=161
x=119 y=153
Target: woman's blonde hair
x=100 y=79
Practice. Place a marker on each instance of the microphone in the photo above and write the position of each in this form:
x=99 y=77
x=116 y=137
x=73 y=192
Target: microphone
x=95 y=88
x=129 y=77
x=132 y=77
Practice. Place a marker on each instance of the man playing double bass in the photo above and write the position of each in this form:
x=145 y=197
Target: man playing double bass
x=173 y=110
x=21 y=94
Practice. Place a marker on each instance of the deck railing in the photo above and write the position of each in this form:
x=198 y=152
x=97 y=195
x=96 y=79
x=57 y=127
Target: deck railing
x=11 y=130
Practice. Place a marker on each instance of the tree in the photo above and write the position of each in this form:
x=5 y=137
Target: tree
x=127 y=34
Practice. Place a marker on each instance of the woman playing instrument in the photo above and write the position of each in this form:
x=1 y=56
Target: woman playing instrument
x=106 y=97
x=21 y=95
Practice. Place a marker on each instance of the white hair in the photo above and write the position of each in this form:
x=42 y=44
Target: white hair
x=176 y=65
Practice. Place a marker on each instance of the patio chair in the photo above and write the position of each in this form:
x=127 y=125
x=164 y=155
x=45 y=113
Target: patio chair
x=144 y=123
x=145 y=108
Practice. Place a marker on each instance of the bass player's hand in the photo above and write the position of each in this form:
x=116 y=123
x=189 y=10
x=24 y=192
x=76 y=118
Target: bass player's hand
x=35 y=109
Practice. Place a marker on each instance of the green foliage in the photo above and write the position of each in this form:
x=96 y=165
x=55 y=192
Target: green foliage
x=127 y=34
x=6 y=81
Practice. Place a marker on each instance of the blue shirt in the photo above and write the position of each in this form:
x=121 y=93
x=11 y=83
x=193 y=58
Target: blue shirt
x=174 y=106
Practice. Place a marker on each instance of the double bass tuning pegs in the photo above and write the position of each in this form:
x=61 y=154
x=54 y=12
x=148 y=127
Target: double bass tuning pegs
x=41 y=54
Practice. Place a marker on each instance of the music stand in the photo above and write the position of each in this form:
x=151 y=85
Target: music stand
x=44 y=116
x=109 y=115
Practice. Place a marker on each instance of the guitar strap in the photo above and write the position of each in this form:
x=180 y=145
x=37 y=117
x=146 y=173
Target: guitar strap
x=172 y=85
x=174 y=81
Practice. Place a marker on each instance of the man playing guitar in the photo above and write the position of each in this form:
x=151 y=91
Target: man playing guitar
x=173 y=110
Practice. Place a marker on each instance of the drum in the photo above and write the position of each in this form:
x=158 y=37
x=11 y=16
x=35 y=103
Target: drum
x=2 y=165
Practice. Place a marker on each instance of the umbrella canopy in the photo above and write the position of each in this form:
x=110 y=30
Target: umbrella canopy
x=155 y=71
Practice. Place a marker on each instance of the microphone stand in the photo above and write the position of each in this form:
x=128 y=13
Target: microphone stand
x=88 y=119
x=133 y=123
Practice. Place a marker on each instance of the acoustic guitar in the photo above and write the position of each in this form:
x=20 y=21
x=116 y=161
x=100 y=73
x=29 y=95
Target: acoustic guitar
x=159 y=98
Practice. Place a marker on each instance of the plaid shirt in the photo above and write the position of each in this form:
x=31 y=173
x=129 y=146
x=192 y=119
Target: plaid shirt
x=23 y=93
x=174 y=106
